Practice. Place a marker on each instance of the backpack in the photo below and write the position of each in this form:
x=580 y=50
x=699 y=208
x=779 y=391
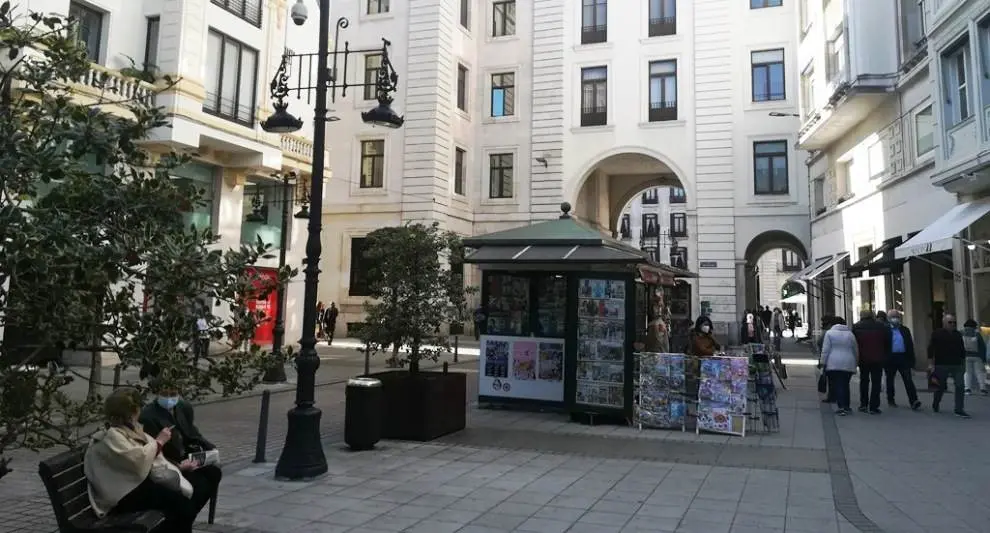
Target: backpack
x=971 y=344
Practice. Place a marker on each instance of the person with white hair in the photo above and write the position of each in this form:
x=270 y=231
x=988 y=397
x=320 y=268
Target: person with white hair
x=901 y=361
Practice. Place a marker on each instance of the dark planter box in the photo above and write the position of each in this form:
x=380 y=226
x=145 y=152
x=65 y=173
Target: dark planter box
x=424 y=406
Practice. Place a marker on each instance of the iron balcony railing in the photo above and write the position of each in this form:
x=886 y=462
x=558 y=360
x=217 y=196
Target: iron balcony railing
x=660 y=26
x=662 y=111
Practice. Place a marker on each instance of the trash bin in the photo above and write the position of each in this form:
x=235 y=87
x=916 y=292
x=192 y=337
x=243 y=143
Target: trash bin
x=364 y=409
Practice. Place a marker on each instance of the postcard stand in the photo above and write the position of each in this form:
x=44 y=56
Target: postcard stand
x=661 y=402
x=722 y=395
x=763 y=394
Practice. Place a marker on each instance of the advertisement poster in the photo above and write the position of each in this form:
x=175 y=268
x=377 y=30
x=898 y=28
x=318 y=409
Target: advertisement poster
x=722 y=395
x=661 y=391
x=521 y=367
x=601 y=343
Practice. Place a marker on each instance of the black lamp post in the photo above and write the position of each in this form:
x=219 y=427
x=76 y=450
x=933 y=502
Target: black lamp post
x=302 y=456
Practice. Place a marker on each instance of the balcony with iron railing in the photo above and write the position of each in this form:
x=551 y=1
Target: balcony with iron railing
x=247 y=10
x=593 y=34
x=661 y=26
x=663 y=111
x=594 y=116
x=228 y=109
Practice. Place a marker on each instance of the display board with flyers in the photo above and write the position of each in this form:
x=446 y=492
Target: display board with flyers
x=601 y=340
x=723 y=389
x=522 y=368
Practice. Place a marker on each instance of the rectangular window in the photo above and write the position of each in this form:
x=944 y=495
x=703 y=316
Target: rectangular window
x=768 y=75
x=594 y=96
x=983 y=33
x=594 y=21
x=924 y=131
x=262 y=206
x=663 y=17
x=377 y=7
x=231 y=79
x=912 y=28
x=678 y=256
x=500 y=175
x=466 y=13
x=462 y=87
x=789 y=261
x=203 y=177
x=770 y=167
x=677 y=195
x=504 y=18
x=359 y=268
x=650 y=197
x=372 y=64
x=624 y=231
x=808 y=92
x=652 y=250
x=955 y=73
x=835 y=57
x=248 y=10
x=151 y=44
x=372 y=164
x=760 y=4
x=678 y=225
x=651 y=227
x=663 y=90
x=819 y=193
x=503 y=94
x=876 y=159
x=459 y=169
x=89 y=29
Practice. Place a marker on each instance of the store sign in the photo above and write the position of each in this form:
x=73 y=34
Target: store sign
x=708 y=264
x=655 y=278
x=525 y=368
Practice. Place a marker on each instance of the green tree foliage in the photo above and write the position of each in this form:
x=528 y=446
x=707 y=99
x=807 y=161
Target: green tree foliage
x=96 y=257
x=414 y=291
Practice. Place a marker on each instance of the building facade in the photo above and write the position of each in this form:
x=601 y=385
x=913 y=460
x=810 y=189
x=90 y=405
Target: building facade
x=514 y=107
x=222 y=52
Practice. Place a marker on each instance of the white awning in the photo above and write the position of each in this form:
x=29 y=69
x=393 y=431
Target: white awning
x=799 y=275
x=800 y=299
x=938 y=236
x=817 y=271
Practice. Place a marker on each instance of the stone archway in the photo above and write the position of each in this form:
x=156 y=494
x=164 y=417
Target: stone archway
x=751 y=294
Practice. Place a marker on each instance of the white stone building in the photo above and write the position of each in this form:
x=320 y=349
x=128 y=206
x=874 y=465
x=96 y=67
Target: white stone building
x=223 y=52
x=514 y=107
x=870 y=119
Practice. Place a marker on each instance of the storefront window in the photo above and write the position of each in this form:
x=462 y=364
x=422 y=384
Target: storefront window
x=601 y=342
x=895 y=290
x=203 y=177
x=551 y=305
x=263 y=217
x=508 y=305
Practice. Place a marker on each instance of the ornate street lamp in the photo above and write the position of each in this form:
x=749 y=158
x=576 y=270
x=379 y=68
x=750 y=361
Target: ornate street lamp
x=302 y=456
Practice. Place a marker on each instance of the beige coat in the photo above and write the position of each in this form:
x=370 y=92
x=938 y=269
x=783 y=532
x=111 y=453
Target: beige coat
x=117 y=461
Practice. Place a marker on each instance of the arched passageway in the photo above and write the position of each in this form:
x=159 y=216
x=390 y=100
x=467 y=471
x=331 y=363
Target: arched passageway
x=772 y=258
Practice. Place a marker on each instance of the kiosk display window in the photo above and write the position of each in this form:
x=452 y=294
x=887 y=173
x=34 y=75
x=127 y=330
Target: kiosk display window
x=508 y=305
x=551 y=306
x=601 y=343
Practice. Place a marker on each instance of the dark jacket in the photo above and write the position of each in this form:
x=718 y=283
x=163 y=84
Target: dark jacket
x=186 y=437
x=873 y=338
x=909 y=355
x=946 y=347
x=757 y=336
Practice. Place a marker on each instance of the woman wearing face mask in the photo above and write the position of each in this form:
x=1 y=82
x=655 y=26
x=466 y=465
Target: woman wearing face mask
x=169 y=410
x=750 y=333
x=702 y=341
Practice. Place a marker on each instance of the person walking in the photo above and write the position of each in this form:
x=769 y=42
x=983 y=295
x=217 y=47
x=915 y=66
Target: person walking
x=202 y=348
x=976 y=357
x=777 y=327
x=873 y=339
x=902 y=359
x=750 y=333
x=320 y=312
x=840 y=353
x=947 y=358
x=765 y=316
x=330 y=322
x=479 y=322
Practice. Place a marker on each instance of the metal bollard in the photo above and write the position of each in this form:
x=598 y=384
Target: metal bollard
x=116 y=377
x=367 y=359
x=445 y=367
x=259 y=450
x=456 y=338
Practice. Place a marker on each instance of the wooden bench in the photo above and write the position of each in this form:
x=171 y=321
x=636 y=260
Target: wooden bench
x=65 y=480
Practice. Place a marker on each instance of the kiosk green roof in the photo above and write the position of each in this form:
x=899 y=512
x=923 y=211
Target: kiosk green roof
x=565 y=240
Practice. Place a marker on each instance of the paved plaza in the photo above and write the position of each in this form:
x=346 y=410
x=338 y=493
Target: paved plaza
x=512 y=471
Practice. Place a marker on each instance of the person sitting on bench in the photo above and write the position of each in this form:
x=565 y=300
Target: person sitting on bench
x=127 y=472
x=167 y=409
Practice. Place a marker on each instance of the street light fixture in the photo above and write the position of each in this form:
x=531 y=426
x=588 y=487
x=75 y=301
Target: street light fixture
x=302 y=456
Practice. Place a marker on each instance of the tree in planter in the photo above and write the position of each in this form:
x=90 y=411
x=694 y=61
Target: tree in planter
x=413 y=291
x=94 y=253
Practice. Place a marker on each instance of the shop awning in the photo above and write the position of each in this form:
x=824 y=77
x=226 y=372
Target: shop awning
x=938 y=236
x=799 y=275
x=822 y=267
x=800 y=299
x=881 y=257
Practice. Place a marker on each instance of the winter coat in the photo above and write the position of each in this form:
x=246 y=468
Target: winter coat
x=840 y=350
x=874 y=341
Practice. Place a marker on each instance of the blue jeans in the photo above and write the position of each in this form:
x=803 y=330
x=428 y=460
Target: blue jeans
x=956 y=372
x=838 y=387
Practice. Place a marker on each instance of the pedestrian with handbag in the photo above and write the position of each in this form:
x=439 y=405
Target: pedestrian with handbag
x=840 y=355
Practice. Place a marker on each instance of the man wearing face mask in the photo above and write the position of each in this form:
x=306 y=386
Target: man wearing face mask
x=901 y=360
x=169 y=410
